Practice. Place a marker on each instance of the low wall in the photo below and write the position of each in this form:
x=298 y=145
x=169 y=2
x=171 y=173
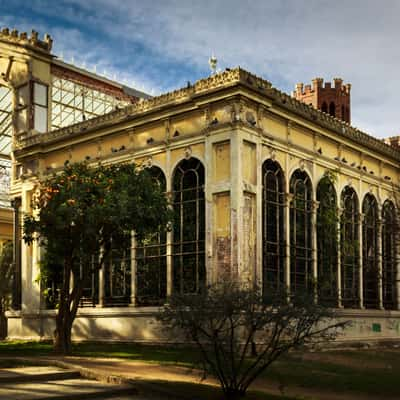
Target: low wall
x=139 y=324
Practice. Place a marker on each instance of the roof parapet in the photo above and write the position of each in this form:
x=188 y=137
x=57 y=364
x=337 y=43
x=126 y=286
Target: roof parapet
x=215 y=82
x=22 y=38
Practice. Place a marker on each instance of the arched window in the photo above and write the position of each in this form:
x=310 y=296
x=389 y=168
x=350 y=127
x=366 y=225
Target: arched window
x=273 y=227
x=370 y=252
x=327 y=242
x=324 y=107
x=90 y=280
x=300 y=233
x=343 y=113
x=117 y=267
x=349 y=243
x=389 y=255
x=332 y=109
x=189 y=274
x=151 y=262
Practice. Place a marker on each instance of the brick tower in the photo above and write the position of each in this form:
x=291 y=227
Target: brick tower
x=332 y=100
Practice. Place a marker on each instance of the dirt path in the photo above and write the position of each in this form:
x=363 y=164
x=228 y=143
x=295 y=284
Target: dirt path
x=145 y=371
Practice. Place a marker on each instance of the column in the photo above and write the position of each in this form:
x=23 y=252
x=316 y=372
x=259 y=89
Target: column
x=396 y=244
x=170 y=233
x=339 y=259
x=360 y=261
x=133 y=302
x=102 y=279
x=169 y=251
x=379 y=260
x=16 y=298
x=397 y=259
x=289 y=198
x=314 y=254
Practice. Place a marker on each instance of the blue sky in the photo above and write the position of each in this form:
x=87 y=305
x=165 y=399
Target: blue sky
x=159 y=45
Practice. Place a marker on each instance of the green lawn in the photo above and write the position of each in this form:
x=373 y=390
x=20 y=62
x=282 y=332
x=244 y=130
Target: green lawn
x=359 y=375
x=363 y=371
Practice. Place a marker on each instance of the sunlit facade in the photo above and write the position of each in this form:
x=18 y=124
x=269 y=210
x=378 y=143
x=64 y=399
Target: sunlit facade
x=264 y=188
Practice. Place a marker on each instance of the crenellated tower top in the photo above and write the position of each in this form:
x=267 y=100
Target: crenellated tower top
x=24 y=39
x=334 y=100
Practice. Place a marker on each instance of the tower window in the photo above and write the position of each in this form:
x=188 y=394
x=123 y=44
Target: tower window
x=324 y=107
x=332 y=109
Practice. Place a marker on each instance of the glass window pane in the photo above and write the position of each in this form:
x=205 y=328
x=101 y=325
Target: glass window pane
x=22 y=120
x=23 y=96
x=40 y=94
x=40 y=114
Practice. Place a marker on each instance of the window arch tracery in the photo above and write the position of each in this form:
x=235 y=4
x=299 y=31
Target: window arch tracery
x=273 y=227
x=389 y=271
x=327 y=242
x=370 y=252
x=349 y=243
x=300 y=233
x=151 y=260
x=189 y=275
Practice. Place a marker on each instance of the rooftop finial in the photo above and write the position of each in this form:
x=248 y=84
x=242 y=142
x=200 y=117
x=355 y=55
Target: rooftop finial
x=213 y=64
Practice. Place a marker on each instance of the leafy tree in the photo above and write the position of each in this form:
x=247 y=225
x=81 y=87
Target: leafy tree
x=6 y=276
x=77 y=214
x=227 y=319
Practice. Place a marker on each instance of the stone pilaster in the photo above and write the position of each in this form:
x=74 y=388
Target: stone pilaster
x=16 y=298
x=314 y=252
x=288 y=200
x=339 y=259
x=379 y=261
x=133 y=270
x=102 y=280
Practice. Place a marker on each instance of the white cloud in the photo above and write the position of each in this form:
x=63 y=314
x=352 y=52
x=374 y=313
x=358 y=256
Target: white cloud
x=285 y=41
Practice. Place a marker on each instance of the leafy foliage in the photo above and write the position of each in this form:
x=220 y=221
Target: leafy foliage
x=6 y=276
x=78 y=213
x=240 y=335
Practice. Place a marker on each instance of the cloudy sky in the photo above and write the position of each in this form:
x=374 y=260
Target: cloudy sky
x=159 y=45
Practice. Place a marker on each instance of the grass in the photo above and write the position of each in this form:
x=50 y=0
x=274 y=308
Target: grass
x=207 y=392
x=340 y=378
x=10 y=363
x=361 y=372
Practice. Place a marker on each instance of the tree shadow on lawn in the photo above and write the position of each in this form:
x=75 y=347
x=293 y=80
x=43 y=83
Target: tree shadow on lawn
x=199 y=391
x=358 y=375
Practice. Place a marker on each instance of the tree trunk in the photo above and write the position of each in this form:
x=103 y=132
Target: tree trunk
x=66 y=314
x=3 y=323
x=62 y=340
x=234 y=394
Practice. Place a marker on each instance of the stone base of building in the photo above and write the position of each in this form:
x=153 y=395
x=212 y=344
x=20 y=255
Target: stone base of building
x=140 y=325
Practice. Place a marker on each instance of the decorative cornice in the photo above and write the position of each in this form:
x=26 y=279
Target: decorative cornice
x=216 y=82
x=23 y=39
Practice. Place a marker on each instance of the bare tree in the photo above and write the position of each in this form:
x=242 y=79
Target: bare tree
x=240 y=333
